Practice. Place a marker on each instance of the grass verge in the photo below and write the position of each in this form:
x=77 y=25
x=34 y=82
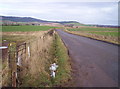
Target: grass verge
x=62 y=59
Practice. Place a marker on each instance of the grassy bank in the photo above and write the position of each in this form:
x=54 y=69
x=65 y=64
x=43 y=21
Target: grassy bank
x=33 y=72
x=51 y=51
x=60 y=56
x=36 y=72
x=104 y=34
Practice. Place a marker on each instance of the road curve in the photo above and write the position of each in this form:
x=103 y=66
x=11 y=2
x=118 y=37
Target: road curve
x=94 y=63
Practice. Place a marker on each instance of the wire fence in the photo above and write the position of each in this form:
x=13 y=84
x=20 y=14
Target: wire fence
x=18 y=54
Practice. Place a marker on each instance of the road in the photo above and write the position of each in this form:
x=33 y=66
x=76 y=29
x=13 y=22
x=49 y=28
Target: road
x=94 y=63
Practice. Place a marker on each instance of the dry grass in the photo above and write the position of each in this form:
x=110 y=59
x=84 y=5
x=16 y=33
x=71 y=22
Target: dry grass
x=32 y=33
x=5 y=74
x=34 y=68
x=43 y=53
x=35 y=73
x=44 y=50
x=20 y=37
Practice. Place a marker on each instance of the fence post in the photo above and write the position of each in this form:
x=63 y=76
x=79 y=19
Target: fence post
x=29 y=51
x=12 y=63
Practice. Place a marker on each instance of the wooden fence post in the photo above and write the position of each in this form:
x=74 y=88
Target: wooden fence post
x=12 y=63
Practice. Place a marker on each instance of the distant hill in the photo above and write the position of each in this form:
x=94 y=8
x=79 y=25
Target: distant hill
x=29 y=19
x=22 y=19
x=12 y=19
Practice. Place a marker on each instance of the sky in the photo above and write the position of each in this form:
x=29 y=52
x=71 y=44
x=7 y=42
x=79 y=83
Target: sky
x=104 y=12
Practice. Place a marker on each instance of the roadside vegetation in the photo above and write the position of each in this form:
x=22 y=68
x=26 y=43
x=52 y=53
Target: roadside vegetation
x=60 y=56
x=45 y=49
x=35 y=72
x=18 y=38
x=105 y=34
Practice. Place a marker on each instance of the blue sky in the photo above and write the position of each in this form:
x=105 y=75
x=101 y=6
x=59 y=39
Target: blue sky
x=88 y=12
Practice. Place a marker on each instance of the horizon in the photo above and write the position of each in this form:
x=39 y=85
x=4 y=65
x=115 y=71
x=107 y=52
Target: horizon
x=60 y=21
x=102 y=13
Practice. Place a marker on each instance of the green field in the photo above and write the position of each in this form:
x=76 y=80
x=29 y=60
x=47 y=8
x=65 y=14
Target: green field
x=98 y=31
x=93 y=29
x=25 y=28
x=105 y=34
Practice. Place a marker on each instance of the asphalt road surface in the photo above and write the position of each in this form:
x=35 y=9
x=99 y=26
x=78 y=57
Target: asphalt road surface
x=94 y=63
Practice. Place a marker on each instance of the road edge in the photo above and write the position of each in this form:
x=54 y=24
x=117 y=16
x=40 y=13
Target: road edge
x=69 y=83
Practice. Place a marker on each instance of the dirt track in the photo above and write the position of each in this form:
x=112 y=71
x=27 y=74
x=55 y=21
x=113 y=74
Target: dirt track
x=94 y=63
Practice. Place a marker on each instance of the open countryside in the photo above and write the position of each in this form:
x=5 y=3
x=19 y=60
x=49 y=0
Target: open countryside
x=39 y=53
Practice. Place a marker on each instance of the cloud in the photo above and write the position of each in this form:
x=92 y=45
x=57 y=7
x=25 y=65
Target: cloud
x=84 y=12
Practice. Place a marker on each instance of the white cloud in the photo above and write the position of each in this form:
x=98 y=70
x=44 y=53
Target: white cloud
x=84 y=12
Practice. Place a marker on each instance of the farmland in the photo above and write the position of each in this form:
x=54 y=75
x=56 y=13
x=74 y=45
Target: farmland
x=93 y=29
x=105 y=34
x=113 y=34
x=25 y=28
x=22 y=33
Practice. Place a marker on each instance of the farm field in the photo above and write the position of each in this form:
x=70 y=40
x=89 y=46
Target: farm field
x=113 y=34
x=25 y=28
x=22 y=33
x=20 y=36
x=105 y=34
